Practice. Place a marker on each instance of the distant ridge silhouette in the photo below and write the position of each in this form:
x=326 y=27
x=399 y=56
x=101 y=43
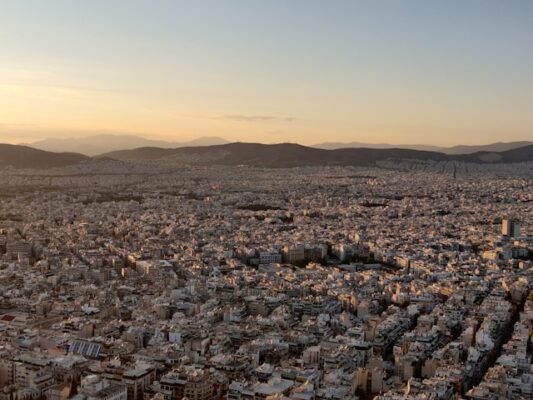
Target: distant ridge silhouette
x=459 y=149
x=255 y=155
x=104 y=143
x=292 y=155
x=26 y=157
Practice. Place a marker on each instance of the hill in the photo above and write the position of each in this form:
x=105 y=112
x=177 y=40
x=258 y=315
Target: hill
x=357 y=145
x=25 y=157
x=454 y=150
x=521 y=154
x=274 y=155
x=493 y=147
x=293 y=155
x=254 y=154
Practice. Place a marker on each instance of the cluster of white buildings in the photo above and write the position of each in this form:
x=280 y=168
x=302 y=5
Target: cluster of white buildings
x=237 y=283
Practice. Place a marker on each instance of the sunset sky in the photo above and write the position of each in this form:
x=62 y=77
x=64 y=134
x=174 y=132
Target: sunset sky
x=432 y=72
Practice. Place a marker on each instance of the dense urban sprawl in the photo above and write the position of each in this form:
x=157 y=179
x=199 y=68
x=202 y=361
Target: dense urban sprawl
x=235 y=283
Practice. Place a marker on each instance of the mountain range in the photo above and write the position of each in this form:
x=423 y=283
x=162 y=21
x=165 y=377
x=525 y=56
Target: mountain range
x=26 y=157
x=459 y=149
x=255 y=155
x=294 y=155
x=104 y=143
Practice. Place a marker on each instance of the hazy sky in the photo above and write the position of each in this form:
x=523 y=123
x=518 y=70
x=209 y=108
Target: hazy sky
x=435 y=72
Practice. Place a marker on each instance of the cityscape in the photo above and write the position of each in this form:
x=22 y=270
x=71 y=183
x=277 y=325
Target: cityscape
x=266 y=200
x=253 y=283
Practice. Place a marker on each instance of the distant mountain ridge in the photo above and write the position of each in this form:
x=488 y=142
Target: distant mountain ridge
x=294 y=155
x=459 y=149
x=26 y=157
x=493 y=147
x=358 y=145
x=255 y=155
x=105 y=143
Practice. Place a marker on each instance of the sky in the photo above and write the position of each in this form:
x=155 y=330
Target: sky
x=402 y=72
